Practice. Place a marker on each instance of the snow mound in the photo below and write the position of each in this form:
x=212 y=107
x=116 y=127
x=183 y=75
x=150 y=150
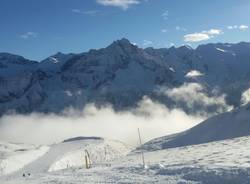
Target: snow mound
x=101 y=152
x=71 y=154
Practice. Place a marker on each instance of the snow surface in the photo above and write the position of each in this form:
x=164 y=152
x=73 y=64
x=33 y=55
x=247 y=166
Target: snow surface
x=101 y=151
x=15 y=156
x=232 y=124
x=193 y=73
x=17 y=159
x=221 y=50
x=223 y=162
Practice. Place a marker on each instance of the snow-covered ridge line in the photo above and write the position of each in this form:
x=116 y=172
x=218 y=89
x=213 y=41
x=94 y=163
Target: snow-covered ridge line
x=114 y=75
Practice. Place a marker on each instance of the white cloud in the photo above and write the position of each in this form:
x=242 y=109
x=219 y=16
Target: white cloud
x=240 y=27
x=202 y=36
x=164 y=30
x=165 y=15
x=153 y=119
x=196 y=37
x=178 y=28
x=245 y=97
x=29 y=35
x=124 y=4
x=243 y=27
x=194 y=96
x=213 y=32
x=89 y=12
x=232 y=27
x=147 y=42
x=76 y=11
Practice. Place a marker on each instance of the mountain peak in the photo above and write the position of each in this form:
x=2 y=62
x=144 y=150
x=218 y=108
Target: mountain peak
x=125 y=43
x=185 y=47
x=122 y=46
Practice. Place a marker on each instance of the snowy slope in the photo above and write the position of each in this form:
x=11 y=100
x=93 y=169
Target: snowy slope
x=68 y=154
x=53 y=63
x=227 y=125
x=101 y=152
x=223 y=162
x=15 y=156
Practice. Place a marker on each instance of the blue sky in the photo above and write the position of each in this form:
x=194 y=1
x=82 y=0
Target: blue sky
x=39 y=28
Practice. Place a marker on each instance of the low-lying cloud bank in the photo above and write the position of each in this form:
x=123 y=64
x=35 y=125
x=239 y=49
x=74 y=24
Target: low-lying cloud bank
x=152 y=118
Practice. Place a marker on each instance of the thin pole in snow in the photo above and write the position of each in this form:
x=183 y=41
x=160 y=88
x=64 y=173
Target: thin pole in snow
x=142 y=154
x=105 y=153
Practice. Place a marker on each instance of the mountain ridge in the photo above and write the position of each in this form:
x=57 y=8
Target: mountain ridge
x=121 y=74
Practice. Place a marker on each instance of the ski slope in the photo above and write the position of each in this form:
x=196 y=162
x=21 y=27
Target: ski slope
x=221 y=162
x=68 y=154
x=228 y=125
x=15 y=156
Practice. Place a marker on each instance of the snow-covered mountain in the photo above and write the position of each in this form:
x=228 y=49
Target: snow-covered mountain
x=227 y=125
x=121 y=74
